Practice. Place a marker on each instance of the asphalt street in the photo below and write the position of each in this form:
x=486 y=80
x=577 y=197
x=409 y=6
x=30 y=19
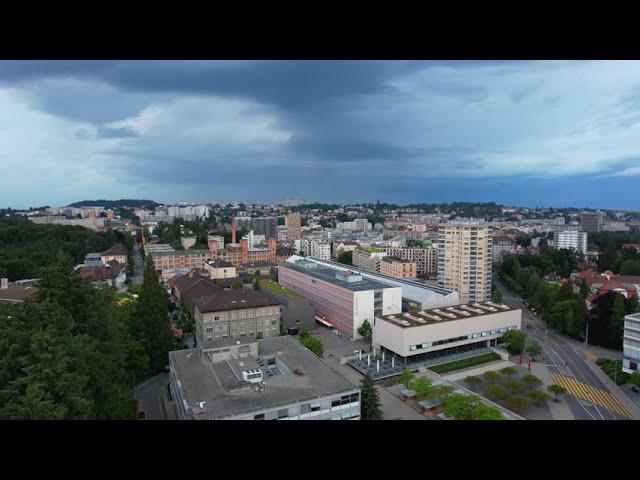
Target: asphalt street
x=561 y=358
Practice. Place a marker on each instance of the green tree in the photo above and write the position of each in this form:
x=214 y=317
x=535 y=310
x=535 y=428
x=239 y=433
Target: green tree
x=304 y=333
x=634 y=379
x=556 y=390
x=365 y=330
x=422 y=386
x=514 y=386
x=496 y=392
x=313 y=344
x=539 y=397
x=369 y=400
x=460 y=406
x=630 y=267
x=515 y=340
x=517 y=403
x=508 y=371
x=534 y=349
x=608 y=257
x=406 y=377
x=472 y=381
x=584 y=290
x=151 y=320
x=491 y=376
x=617 y=321
x=482 y=411
x=237 y=285
x=345 y=257
x=531 y=381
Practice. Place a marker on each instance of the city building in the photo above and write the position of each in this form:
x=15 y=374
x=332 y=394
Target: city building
x=235 y=313
x=631 y=344
x=219 y=269
x=368 y=258
x=427 y=334
x=464 y=259
x=117 y=252
x=415 y=295
x=296 y=312
x=398 y=268
x=270 y=379
x=293 y=222
x=342 y=299
x=426 y=258
x=570 y=239
x=185 y=259
x=591 y=222
x=112 y=273
x=313 y=247
x=503 y=245
x=187 y=242
x=292 y=202
x=267 y=226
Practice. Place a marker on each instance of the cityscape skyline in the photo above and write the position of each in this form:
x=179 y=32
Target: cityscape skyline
x=395 y=131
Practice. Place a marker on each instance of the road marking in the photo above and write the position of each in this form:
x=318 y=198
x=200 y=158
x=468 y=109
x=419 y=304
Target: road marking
x=591 y=394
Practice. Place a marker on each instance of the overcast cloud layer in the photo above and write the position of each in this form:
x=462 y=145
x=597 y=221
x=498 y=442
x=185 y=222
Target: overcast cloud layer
x=521 y=133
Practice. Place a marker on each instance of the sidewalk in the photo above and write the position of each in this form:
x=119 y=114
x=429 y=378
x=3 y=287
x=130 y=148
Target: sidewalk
x=559 y=411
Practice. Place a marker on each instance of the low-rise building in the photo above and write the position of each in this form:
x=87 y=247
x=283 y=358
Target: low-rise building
x=236 y=313
x=270 y=379
x=426 y=258
x=15 y=292
x=425 y=334
x=368 y=258
x=219 y=269
x=398 y=268
x=117 y=252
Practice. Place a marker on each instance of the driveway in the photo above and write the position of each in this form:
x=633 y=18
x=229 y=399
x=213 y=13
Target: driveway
x=150 y=392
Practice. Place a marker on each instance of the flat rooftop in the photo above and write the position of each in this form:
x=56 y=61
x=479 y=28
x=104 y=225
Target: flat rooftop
x=291 y=373
x=329 y=264
x=433 y=316
x=329 y=275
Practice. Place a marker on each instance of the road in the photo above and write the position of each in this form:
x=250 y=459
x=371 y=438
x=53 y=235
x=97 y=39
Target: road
x=560 y=358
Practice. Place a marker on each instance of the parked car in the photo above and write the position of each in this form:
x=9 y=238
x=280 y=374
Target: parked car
x=357 y=352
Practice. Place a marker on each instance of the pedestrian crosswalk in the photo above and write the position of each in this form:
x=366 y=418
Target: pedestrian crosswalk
x=591 y=394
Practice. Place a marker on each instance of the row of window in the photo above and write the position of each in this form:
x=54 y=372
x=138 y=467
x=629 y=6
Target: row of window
x=631 y=324
x=313 y=407
x=459 y=339
x=629 y=342
x=631 y=353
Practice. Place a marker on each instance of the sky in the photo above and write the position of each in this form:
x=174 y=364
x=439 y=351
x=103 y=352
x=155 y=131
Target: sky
x=526 y=133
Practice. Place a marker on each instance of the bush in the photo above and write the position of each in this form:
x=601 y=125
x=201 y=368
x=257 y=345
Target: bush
x=613 y=369
x=314 y=345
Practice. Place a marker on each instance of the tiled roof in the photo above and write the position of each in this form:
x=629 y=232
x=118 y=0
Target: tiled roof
x=116 y=249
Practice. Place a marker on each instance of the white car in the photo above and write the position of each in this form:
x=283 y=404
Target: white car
x=357 y=352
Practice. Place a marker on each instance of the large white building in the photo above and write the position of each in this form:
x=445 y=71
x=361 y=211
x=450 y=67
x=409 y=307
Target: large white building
x=312 y=247
x=464 y=259
x=570 y=239
x=343 y=299
x=368 y=258
x=426 y=259
x=435 y=332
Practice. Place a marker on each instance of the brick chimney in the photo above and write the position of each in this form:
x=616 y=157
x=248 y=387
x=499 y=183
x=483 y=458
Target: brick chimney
x=233 y=230
x=271 y=243
x=213 y=249
x=244 y=245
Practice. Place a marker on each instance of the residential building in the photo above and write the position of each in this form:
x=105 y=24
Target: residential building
x=293 y=222
x=426 y=258
x=398 y=268
x=591 y=222
x=570 y=239
x=426 y=334
x=368 y=258
x=269 y=379
x=292 y=202
x=312 y=247
x=164 y=260
x=219 y=239
x=236 y=313
x=464 y=259
x=343 y=299
x=117 y=252
x=631 y=344
x=267 y=226
x=503 y=245
x=112 y=273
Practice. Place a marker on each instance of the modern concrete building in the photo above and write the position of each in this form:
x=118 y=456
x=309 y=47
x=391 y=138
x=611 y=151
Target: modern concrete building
x=398 y=268
x=293 y=222
x=296 y=312
x=442 y=331
x=270 y=379
x=591 y=222
x=570 y=239
x=343 y=299
x=631 y=344
x=464 y=259
x=368 y=258
x=235 y=313
x=415 y=295
x=267 y=226
x=313 y=247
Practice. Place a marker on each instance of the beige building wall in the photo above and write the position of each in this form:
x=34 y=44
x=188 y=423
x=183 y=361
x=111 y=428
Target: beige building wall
x=235 y=323
x=293 y=222
x=465 y=259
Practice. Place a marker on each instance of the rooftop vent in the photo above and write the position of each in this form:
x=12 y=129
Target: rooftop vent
x=252 y=376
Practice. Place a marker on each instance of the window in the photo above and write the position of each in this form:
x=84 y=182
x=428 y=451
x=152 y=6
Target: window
x=315 y=408
x=305 y=408
x=335 y=403
x=283 y=413
x=260 y=416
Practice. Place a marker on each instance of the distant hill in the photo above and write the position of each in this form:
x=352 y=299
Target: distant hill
x=116 y=203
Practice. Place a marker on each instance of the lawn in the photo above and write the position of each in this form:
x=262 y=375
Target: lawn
x=279 y=290
x=613 y=368
x=465 y=363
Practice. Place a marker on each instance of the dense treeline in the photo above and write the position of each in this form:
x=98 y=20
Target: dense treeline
x=26 y=247
x=558 y=305
x=613 y=256
x=74 y=352
x=132 y=203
